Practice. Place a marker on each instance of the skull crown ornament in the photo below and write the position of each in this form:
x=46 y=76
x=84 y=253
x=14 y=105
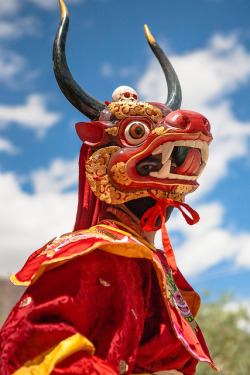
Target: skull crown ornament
x=124 y=93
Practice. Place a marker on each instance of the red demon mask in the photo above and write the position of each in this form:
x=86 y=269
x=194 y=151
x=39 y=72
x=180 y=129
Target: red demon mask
x=136 y=146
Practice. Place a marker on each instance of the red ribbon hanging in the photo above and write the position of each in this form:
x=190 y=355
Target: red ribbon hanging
x=149 y=218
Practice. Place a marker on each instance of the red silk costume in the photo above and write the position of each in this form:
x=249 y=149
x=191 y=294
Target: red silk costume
x=101 y=301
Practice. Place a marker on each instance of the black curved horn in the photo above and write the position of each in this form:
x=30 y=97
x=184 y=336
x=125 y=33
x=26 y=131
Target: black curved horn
x=80 y=99
x=174 y=87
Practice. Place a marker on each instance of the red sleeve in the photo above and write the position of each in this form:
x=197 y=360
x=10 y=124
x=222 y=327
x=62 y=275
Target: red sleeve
x=87 y=295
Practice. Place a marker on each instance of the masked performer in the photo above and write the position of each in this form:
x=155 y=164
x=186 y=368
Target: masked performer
x=103 y=299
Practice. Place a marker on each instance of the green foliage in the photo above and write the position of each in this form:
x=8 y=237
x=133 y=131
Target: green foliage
x=226 y=328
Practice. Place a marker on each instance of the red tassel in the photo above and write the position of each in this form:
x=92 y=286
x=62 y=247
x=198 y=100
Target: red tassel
x=149 y=218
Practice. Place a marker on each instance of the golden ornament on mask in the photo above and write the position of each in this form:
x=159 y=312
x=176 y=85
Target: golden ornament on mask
x=122 y=109
x=183 y=189
x=120 y=174
x=158 y=131
x=101 y=185
x=112 y=131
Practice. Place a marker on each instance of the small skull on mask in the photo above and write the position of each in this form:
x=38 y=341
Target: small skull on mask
x=124 y=93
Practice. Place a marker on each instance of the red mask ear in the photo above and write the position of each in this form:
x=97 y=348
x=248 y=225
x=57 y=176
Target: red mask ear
x=92 y=133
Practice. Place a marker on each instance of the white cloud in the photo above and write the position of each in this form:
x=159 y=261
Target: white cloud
x=7 y=146
x=9 y=7
x=215 y=71
x=15 y=29
x=28 y=221
x=11 y=66
x=207 y=243
x=60 y=176
x=32 y=115
x=230 y=142
x=106 y=70
x=14 y=70
x=206 y=74
x=51 y=4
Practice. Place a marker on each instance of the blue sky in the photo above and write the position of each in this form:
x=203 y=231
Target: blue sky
x=208 y=42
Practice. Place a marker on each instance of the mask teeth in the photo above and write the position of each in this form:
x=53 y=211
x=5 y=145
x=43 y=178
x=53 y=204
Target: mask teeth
x=163 y=172
x=158 y=150
x=166 y=151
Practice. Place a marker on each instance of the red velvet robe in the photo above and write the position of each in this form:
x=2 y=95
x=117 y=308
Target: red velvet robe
x=110 y=287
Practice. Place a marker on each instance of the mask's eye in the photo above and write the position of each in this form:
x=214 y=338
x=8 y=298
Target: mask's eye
x=136 y=132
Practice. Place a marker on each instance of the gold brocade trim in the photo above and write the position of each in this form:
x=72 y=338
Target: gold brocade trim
x=107 y=234
x=129 y=230
x=45 y=363
x=135 y=250
x=51 y=264
x=16 y=281
x=122 y=109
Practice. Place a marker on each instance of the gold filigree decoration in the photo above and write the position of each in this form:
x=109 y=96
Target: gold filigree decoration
x=159 y=131
x=120 y=174
x=112 y=131
x=183 y=189
x=164 y=194
x=122 y=109
x=102 y=187
x=96 y=173
x=107 y=234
